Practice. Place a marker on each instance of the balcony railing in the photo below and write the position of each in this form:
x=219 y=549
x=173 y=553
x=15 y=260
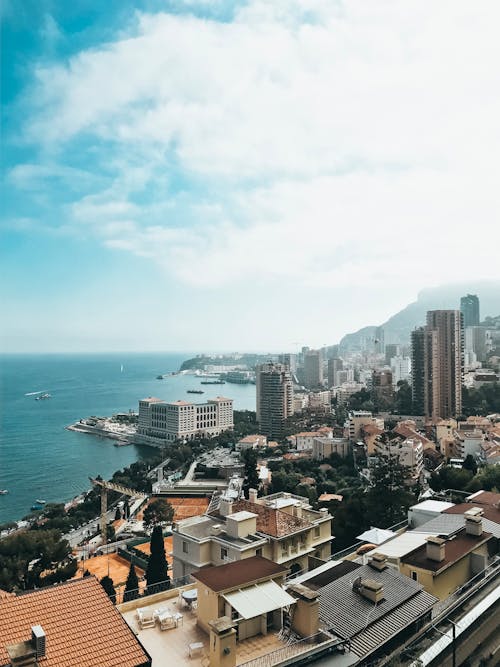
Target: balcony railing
x=313 y=644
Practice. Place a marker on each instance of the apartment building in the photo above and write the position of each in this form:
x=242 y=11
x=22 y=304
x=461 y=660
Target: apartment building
x=313 y=369
x=274 y=398
x=359 y=418
x=410 y=453
x=325 y=447
x=182 y=420
x=281 y=527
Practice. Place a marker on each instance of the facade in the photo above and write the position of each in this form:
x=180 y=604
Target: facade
x=325 y=447
x=357 y=420
x=289 y=360
x=469 y=307
x=410 y=453
x=401 y=368
x=475 y=342
x=391 y=350
x=274 y=394
x=313 y=369
x=182 y=420
x=251 y=442
x=437 y=365
x=334 y=365
x=281 y=527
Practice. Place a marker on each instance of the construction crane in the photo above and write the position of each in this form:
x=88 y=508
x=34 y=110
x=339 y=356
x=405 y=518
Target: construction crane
x=110 y=486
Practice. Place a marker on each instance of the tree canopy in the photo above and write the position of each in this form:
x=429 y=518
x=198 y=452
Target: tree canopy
x=157 y=512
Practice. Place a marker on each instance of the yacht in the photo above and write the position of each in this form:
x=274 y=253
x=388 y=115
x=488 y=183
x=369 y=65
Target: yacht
x=3 y=492
x=43 y=397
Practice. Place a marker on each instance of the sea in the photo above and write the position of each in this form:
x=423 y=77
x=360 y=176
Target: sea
x=39 y=458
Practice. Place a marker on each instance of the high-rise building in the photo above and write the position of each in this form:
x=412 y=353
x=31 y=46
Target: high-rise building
x=437 y=365
x=391 y=350
x=289 y=360
x=475 y=341
x=274 y=392
x=379 y=341
x=469 y=307
x=400 y=367
x=334 y=365
x=313 y=369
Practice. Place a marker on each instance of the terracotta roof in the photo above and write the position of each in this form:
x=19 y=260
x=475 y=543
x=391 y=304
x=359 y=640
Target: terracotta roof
x=271 y=521
x=81 y=625
x=326 y=497
x=454 y=550
x=372 y=429
x=408 y=432
x=485 y=498
x=238 y=573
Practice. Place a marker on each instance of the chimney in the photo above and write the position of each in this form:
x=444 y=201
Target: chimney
x=378 y=562
x=435 y=548
x=252 y=495
x=38 y=640
x=22 y=654
x=225 y=507
x=298 y=511
x=474 y=522
x=216 y=529
x=369 y=589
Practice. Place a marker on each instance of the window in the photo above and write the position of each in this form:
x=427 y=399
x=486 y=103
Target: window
x=223 y=553
x=414 y=575
x=317 y=531
x=184 y=547
x=258 y=552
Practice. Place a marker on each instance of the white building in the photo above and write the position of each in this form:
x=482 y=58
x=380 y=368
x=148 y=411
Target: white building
x=182 y=420
x=410 y=453
x=401 y=368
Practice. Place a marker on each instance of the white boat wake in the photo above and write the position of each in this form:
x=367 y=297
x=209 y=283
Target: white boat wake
x=34 y=393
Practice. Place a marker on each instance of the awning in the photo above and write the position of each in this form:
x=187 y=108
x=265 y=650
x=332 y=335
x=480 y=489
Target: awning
x=258 y=599
x=376 y=535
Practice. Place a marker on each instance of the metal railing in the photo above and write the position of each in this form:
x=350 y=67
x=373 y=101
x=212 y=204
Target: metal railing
x=144 y=591
x=312 y=644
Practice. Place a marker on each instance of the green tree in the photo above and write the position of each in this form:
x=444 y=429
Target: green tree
x=131 y=585
x=388 y=496
x=403 y=398
x=157 y=571
x=470 y=464
x=109 y=587
x=350 y=519
x=251 y=476
x=157 y=512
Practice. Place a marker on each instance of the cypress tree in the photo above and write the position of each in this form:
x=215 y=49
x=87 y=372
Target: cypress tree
x=156 y=572
x=132 y=585
x=109 y=587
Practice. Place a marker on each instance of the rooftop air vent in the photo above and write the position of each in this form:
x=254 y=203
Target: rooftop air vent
x=378 y=562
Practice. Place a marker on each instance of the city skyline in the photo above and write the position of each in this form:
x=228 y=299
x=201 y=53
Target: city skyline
x=175 y=173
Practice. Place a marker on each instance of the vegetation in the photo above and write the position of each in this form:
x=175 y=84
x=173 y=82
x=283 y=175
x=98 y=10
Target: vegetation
x=249 y=457
x=482 y=401
x=464 y=479
x=34 y=558
x=159 y=511
x=109 y=587
x=398 y=402
x=131 y=585
x=157 y=571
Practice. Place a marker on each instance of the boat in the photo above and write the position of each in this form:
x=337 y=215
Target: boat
x=213 y=382
x=3 y=492
x=159 y=377
x=40 y=502
x=195 y=391
x=37 y=506
x=43 y=397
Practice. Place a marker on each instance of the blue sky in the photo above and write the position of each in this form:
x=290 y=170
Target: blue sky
x=223 y=176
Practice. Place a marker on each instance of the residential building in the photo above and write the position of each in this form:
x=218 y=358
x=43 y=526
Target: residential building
x=244 y=592
x=391 y=350
x=475 y=342
x=325 y=447
x=281 y=527
x=274 y=394
x=410 y=454
x=382 y=383
x=469 y=307
x=251 y=442
x=313 y=369
x=74 y=623
x=289 y=360
x=182 y=420
x=447 y=562
x=373 y=608
x=379 y=341
x=401 y=369
x=345 y=390
x=319 y=400
x=304 y=441
x=437 y=365
x=335 y=364
x=359 y=418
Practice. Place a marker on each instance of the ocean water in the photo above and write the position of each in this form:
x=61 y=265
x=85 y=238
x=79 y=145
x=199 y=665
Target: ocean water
x=39 y=458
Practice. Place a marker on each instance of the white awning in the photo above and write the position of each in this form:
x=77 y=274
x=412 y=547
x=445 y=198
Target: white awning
x=376 y=535
x=258 y=599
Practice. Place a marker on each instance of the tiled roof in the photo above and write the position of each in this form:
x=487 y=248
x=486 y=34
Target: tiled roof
x=347 y=613
x=271 y=521
x=238 y=573
x=454 y=550
x=82 y=627
x=485 y=498
x=489 y=511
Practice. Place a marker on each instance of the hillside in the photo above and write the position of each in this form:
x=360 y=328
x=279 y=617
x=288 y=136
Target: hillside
x=398 y=327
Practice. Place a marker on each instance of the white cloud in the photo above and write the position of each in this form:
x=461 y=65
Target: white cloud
x=331 y=144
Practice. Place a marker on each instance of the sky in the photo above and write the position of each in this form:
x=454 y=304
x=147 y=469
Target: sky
x=216 y=176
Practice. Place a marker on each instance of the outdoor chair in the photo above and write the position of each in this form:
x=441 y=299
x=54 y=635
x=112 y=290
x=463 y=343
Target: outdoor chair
x=146 y=618
x=167 y=621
